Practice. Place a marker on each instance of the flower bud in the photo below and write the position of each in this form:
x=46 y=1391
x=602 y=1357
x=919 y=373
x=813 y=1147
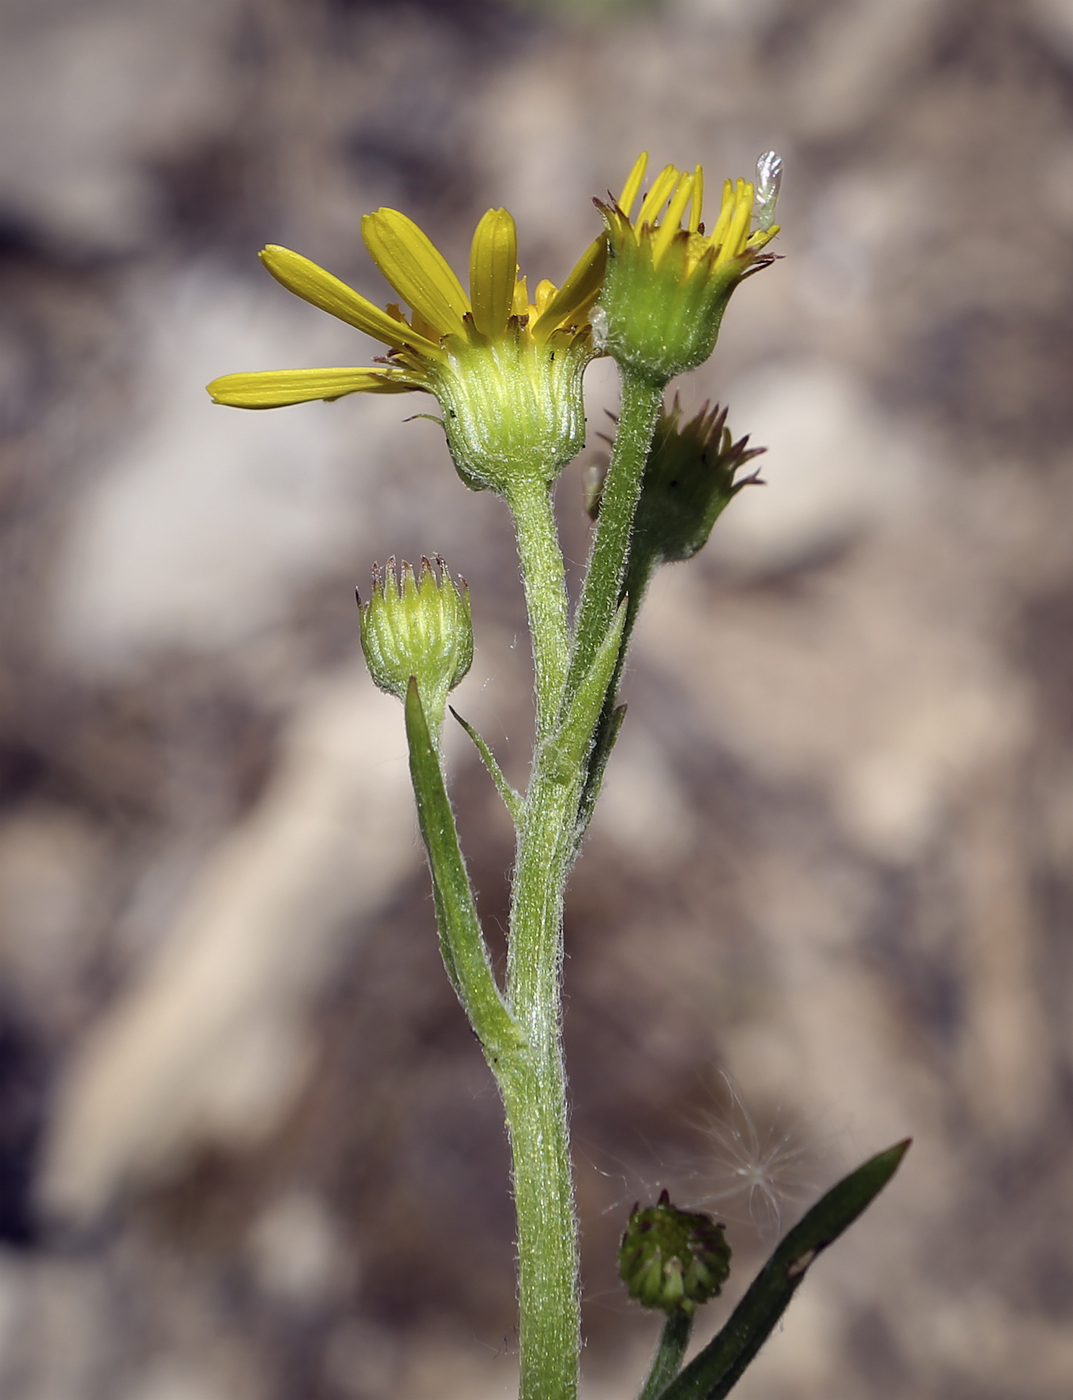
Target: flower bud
x=691 y=475
x=418 y=627
x=671 y=1258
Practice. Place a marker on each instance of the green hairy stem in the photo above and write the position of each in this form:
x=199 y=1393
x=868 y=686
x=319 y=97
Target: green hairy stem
x=577 y=671
x=519 y=1026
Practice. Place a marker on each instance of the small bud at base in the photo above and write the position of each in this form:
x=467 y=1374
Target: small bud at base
x=670 y=1258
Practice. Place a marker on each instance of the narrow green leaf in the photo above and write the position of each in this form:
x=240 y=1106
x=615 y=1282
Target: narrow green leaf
x=573 y=739
x=611 y=722
x=512 y=799
x=462 y=945
x=710 y=1375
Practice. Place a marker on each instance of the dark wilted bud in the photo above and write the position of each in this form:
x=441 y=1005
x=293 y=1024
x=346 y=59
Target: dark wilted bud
x=671 y=1258
x=690 y=476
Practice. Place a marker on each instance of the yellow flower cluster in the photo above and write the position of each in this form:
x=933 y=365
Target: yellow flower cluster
x=507 y=371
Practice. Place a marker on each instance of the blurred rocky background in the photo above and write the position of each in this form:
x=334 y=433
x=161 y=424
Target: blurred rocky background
x=248 y=1148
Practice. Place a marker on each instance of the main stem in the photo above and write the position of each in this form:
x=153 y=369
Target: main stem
x=532 y=1080
x=534 y=1095
x=533 y=1084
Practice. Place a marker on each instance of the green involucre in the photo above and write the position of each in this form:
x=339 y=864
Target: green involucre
x=420 y=627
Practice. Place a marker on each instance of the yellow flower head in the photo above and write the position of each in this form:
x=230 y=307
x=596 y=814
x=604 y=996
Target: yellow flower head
x=507 y=371
x=668 y=281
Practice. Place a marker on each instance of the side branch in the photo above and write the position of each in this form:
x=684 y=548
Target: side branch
x=465 y=954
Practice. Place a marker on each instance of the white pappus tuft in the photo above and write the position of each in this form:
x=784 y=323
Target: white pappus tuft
x=768 y=184
x=759 y=1167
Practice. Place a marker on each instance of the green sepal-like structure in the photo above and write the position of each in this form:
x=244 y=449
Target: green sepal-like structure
x=513 y=410
x=662 y=317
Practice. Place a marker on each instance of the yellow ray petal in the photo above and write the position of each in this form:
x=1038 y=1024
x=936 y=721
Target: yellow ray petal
x=545 y=290
x=423 y=327
x=493 y=268
x=662 y=188
x=698 y=199
x=578 y=292
x=310 y=282
x=520 y=304
x=416 y=269
x=279 y=388
x=672 y=220
x=633 y=183
x=738 y=229
x=762 y=237
x=726 y=211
